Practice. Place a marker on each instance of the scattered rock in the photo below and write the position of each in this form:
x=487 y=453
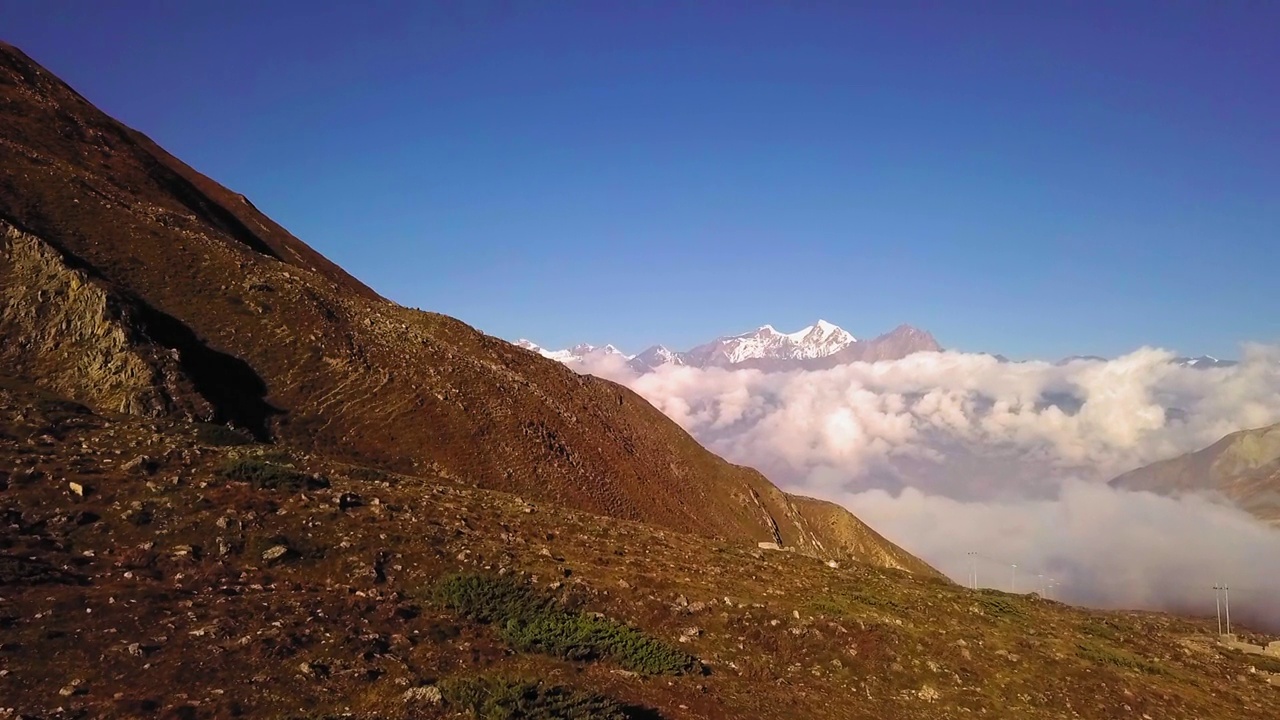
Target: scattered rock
x=313 y=669
x=276 y=553
x=428 y=695
x=140 y=463
x=76 y=489
x=349 y=500
x=75 y=687
x=186 y=550
x=690 y=633
x=929 y=694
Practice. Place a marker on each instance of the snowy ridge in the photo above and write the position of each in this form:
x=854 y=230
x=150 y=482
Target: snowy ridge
x=575 y=353
x=765 y=344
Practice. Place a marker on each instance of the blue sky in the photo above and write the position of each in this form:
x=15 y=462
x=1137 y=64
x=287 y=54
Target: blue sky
x=1036 y=179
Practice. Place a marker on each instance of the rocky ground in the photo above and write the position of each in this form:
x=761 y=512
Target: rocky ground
x=161 y=568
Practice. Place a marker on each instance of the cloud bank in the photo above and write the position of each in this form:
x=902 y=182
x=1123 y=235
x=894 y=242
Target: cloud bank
x=950 y=452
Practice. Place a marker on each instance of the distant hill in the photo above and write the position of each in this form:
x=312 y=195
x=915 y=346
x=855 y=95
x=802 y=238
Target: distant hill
x=1244 y=466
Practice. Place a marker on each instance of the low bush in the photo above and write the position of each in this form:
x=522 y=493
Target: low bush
x=1100 y=654
x=997 y=606
x=533 y=622
x=368 y=474
x=497 y=698
x=221 y=436
x=1100 y=629
x=268 y=476
x=1266 y=663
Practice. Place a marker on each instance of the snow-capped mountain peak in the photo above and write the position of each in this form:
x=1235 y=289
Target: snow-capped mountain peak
x=822 y=344
x=557 y=355
x=765 y=343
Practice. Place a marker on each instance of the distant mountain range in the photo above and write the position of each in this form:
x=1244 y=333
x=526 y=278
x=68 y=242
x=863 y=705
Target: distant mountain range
x=1203 y=362
x=817 y=346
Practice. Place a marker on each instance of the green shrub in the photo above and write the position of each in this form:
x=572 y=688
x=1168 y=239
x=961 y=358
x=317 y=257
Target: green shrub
x=997 y=606
x=533 y=622
x=496 y=698
x=1100 y=654
x=1100 y=629
x=268 y=476
x=221 y=436
x=1266 y=663
x=368 y=474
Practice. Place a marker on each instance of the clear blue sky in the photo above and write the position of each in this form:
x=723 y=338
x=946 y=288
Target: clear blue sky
x=1036 y=179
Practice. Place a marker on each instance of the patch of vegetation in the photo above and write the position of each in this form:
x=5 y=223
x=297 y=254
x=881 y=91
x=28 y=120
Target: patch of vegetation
x=497 y=698
x=1100 y=629
x=1103 y=655
x=269 y=476
x=852 y=604
x=1265 y=663
x=368 y=474
x=221 y=436
x=533 y=622
x=999 y=606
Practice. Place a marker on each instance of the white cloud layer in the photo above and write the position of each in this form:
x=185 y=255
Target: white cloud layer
x=951 y=452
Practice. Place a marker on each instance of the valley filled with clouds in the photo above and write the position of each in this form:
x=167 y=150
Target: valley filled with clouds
x=948 y=453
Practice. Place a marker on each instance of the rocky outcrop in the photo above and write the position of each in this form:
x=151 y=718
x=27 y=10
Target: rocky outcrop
x=77 y=338
x=846 y=537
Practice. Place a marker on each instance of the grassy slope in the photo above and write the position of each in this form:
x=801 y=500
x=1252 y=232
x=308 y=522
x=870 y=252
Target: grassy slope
x=345 y=621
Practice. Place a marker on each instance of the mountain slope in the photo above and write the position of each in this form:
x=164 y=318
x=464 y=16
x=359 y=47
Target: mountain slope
x=134 y=283
x=1244 y=466
x=166 y=587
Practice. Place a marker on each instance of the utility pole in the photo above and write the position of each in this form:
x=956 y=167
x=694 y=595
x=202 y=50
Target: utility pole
x=1226 y=598
x=973 y=569
x=1013 y=579
x=1217 y=601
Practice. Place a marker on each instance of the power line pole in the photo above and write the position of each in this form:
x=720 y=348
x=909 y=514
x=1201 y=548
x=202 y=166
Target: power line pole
x=1217 y=601
x=973 y=569
x=1013 y=579
x=1226 y=597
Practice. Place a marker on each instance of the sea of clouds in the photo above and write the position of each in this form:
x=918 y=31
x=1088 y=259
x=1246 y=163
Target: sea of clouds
x=951 y=453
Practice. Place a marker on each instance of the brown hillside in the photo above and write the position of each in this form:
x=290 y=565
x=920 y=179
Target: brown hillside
x=141 y=579
x=1243 y=466
x=133 y=283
